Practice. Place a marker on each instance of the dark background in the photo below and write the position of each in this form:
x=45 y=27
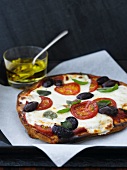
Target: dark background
x=93 y=25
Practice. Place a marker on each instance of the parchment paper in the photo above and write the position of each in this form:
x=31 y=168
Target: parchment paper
x=99 y=63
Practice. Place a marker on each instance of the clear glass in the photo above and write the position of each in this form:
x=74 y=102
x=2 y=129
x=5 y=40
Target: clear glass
x=19 y=68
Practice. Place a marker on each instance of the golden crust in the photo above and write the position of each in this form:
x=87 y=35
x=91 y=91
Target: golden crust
x=33 y=132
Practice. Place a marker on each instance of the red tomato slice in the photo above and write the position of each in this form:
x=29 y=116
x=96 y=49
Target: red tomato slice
x=84 y=110
x=60 y=77
x=68 y=89
x=44 y=130
x=45 y=103
x=93 y=85
x=79 y=130
x=113 y=103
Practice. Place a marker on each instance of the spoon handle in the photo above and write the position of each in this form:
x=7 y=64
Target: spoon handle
x=49 y=45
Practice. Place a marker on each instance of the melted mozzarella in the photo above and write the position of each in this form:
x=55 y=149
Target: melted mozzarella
x=33 y=96
x=100 y=124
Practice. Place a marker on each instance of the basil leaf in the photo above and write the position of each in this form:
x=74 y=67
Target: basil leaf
x=108 y=89
x=103 y=103
x=69 y=102
x=63 y=110
x=50 y=114
x=80 y=82
x=43 y=92
x=66 y=124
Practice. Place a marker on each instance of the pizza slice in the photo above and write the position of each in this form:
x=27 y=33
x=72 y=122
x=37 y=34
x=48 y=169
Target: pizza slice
x=70 y=107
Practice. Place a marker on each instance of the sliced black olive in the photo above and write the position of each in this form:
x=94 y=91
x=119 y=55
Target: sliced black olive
x=102 y=80
x=58 y=82
x=48 y=82
x=73 y=121
x=31 y=106
x=62 y=132
x=110 y=83
x=85 y=95
x=109 y=110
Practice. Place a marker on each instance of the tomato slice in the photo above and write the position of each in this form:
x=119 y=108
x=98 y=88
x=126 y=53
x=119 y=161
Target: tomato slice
x=79 y=130
x=93 y=85
x=59 y=77
x=44 y=130
x=45 y=103
x=84 y=110
x=113 y=103
x=68 y=89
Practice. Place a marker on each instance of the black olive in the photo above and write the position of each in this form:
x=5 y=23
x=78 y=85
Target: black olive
x=110 y=83
x=47 y=82
x=73 y=121
x=62 y=132
x=102 y=80
x=58 y=82
x=109 y=110
x=85 y=95
x=31 y=106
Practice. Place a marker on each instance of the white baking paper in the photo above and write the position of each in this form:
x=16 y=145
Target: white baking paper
x=99 y=63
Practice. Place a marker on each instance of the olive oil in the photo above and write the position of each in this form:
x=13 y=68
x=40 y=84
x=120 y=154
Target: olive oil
x=22 y=71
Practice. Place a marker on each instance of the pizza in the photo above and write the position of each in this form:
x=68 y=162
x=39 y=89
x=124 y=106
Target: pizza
x=71 y=107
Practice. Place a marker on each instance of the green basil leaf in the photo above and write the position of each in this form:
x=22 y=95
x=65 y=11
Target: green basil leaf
x=103 y=103
x=108 y=89
x=63 y=110
x=50 y=114
x=69 y=102
x=66 y=124
x=80 y=82
x=43 y=92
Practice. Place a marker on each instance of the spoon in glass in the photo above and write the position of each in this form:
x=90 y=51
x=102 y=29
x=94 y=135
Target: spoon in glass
x=50 y=44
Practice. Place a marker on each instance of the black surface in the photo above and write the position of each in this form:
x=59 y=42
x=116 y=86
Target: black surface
x=92 y=157
x=93 y=25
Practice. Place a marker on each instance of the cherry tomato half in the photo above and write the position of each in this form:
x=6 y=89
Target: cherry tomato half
x=93 y=85
x=84 y=110
x=112 y=102
x=68 y=89
x=45 y=103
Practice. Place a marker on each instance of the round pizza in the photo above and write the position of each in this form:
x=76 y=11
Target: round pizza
x=71 y=107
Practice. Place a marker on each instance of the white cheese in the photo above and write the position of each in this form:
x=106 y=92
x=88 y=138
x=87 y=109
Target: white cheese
x=33 y=96
x=100 y=124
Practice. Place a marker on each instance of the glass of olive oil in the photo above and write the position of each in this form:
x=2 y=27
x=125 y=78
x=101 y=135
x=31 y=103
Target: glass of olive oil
x=19 y=68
